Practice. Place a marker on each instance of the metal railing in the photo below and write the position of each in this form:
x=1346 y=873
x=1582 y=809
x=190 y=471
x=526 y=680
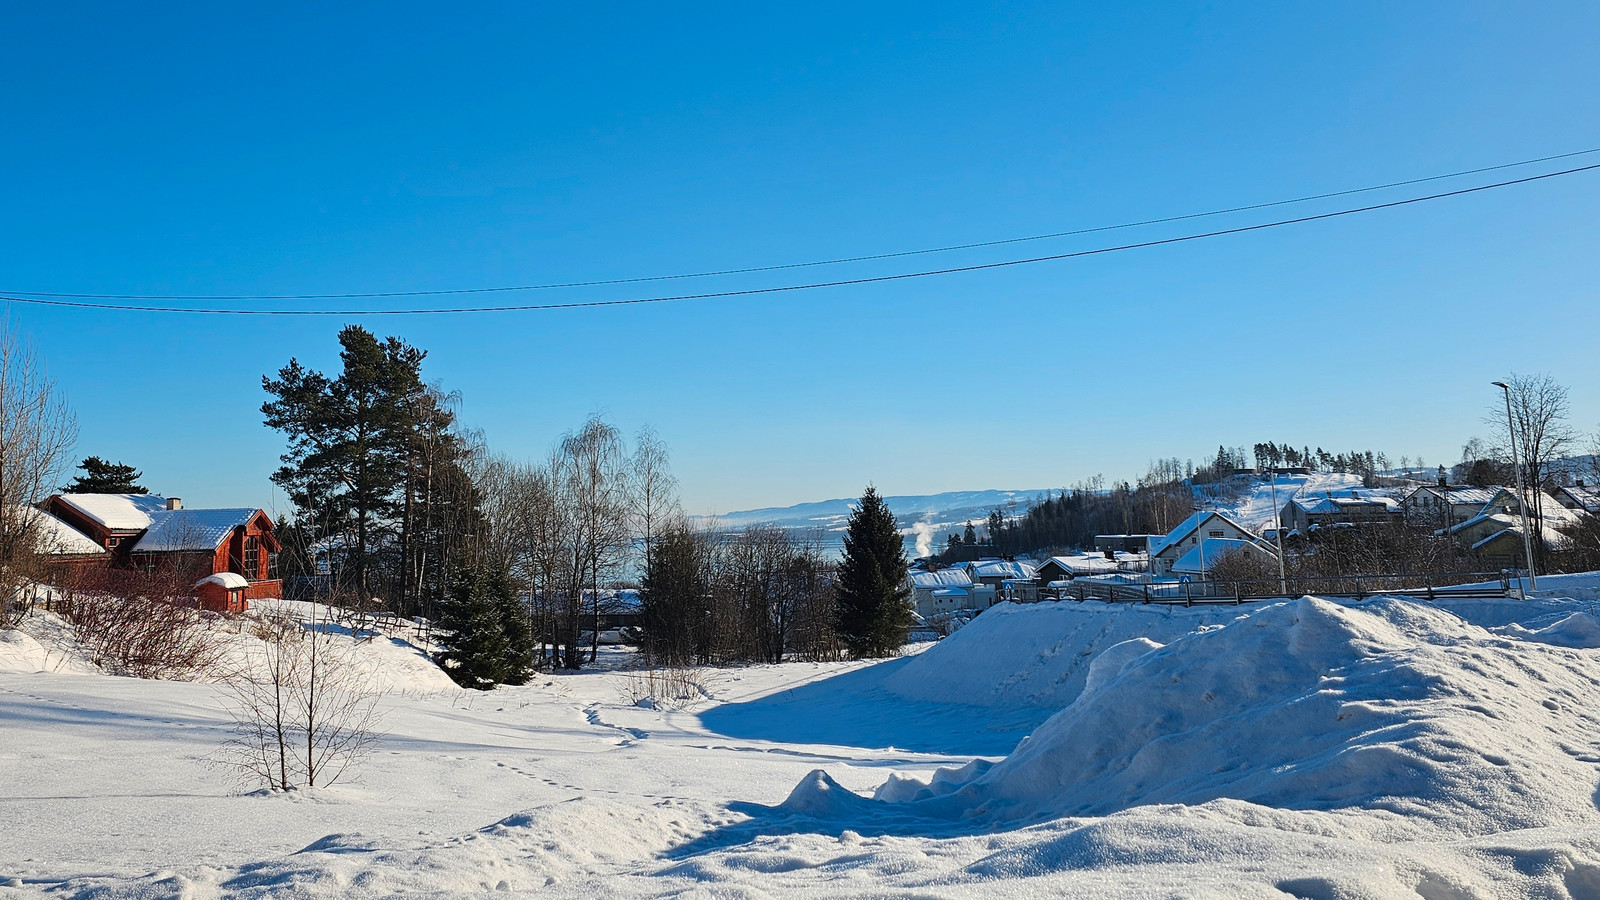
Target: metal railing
x=1193 y=593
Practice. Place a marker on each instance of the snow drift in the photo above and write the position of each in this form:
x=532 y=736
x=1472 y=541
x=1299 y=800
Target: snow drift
x=1393 y=708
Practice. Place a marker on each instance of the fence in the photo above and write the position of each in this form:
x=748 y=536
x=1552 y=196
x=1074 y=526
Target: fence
x=1191 y=593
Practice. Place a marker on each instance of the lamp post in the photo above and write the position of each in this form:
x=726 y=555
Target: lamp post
x=1522 y=497
x=1277 y=534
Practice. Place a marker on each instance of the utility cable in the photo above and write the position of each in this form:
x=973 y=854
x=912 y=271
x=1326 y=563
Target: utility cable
x=812 y=264
x=749 y=292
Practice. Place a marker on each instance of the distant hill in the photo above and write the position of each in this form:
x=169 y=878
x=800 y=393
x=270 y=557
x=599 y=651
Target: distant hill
x=924 y=519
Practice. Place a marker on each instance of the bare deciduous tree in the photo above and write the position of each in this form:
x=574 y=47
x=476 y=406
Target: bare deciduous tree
x=37 y=431
x=306 y=712
x=1538 y=423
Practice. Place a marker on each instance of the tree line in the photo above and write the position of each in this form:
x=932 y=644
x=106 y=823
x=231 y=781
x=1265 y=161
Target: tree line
x=397 y=506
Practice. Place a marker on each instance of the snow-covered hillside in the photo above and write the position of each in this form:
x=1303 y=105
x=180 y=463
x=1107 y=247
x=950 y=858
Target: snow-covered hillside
x=1385 y=749
x=924 y=519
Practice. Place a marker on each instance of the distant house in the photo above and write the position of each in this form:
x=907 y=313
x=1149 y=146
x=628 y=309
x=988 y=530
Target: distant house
x=1199 y=541
x=1494 y=534
x=1440 y=506
x=1123 y=543
x=943 y=591
x=1329 y=510
x=1009 y=579
x=152 y=533
x=1578 y=497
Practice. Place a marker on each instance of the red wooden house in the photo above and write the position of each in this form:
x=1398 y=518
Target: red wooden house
x=152 y=533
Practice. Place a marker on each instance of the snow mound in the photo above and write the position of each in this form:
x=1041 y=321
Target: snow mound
x=525 y=852
x=42 y=642
x=1038 y=654
x=1397 y=709
x=1578 y=630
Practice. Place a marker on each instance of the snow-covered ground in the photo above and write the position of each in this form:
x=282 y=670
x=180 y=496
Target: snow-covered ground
x=1298 y=749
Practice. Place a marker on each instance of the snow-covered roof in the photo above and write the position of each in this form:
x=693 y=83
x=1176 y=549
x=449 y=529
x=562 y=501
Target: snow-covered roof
x=191 y=529
x=944 y=578
x=1458 y=495
x=118 y=512
x=1001 y=568
x=1205 y=554
x=1187 y=526
x=952 y=592
x=233 y=581
x=1586 y=499
x=1089 y=563
x=57 y=537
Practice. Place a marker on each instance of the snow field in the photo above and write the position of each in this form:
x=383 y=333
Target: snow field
x=1309 y=749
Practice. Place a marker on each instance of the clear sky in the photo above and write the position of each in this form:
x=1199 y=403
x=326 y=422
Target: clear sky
x=155 y=149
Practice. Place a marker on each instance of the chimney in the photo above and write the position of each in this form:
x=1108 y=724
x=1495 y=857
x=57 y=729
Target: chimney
x=1580 y=484
x=174 y=503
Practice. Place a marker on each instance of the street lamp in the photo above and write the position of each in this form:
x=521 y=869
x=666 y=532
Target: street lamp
x=1522 y=497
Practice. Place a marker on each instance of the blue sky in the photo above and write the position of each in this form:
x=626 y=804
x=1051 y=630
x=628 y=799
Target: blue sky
x=295 y=149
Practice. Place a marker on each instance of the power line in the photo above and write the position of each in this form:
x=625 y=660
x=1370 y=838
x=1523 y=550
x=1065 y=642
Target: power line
x=356 y=295
x=748 y=292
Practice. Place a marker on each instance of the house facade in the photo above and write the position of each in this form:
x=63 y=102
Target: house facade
x=1439 y=506
x=1208 y=535
x=155 y=534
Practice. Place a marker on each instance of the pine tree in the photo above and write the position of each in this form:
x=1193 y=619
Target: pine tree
x=874 y=600
x=101 y=477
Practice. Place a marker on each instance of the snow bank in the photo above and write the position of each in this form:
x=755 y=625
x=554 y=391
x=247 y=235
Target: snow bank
x=1394 y=708
x=1038 y=654
x=42 y=642
x=1579 y=629
x=529 y=851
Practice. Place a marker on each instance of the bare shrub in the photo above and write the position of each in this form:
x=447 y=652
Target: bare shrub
x=670 y=687
x=305 y=713
x=139 y=624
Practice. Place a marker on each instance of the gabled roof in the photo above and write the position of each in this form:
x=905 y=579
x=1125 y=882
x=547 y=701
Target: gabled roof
x=1001 y=568
x=191 y=529
x=1587 y=500
x=57 y=538
x=118 y=512
x=1202 y=556
x=944 y=578
x=1188 y=526
x=1458 y=495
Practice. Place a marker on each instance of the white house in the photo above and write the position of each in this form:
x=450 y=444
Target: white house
x=944 y=591
x=1208 y=535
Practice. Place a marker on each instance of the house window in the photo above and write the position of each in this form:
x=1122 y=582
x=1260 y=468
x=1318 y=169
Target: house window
x=112 y=542
x=1215 y=534
x=272 y=566
x=252 y=557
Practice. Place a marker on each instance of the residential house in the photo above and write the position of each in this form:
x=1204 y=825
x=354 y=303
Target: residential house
x=1578 y=497
x=942 y=591
x=1439 y=506
x=1494 y=534
x=1208 y=535
x=1010 y=579
x=157 y=534
x=1336 y=509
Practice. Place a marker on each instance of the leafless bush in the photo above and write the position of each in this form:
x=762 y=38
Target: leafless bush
x=672 y=687
x=139 y=625
x=305 y=713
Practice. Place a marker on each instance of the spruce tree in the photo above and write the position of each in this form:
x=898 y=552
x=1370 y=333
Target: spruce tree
x=102 y=477
x=478 y=647
x=874 y=599
x=516 y=624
